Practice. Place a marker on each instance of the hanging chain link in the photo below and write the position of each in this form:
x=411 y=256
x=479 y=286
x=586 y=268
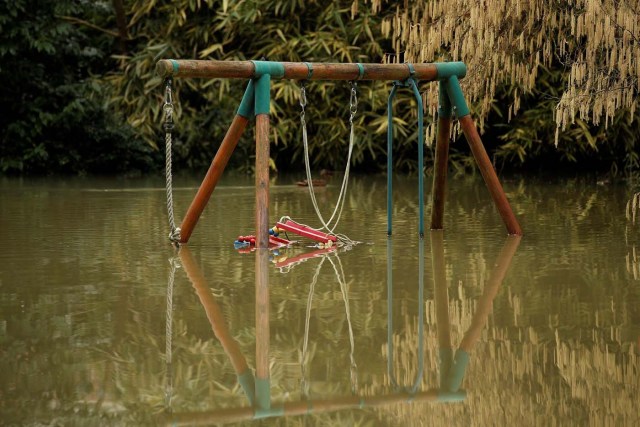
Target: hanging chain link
x=353 y=102
x=303 y=103
x=174 y=234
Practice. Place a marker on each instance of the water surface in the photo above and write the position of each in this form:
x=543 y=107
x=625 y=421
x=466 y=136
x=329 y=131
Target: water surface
x=102 y=322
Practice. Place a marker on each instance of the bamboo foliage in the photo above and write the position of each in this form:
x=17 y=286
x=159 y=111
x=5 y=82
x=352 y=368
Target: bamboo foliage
x=286 y=30
x=504 y=41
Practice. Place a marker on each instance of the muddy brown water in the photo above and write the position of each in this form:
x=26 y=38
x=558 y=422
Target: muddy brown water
x=103 y=323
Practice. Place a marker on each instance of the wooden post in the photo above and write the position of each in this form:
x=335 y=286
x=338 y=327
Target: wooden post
x=442 y=159
x=212 y=177
x=482 y=159
x=489 y=175
x=219 y=162
x=263 y=86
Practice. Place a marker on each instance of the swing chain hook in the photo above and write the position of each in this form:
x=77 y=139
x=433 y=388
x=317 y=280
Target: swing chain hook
x=168 y=106
x=303 y=101
x=353 y=101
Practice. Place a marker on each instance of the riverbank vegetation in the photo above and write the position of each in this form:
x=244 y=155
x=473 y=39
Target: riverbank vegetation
x=79 y=93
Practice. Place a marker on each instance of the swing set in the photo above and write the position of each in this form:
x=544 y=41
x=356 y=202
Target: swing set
x=256 y=103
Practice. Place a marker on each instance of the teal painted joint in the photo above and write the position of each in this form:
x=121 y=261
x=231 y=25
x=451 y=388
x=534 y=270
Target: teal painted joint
x=263 y=395
x=246 y=108
x=450 y=69
x=456 y=373
x=248 y=384
x=274 y=69
x=176 y=66
x=276 y=411
x=263 y=94
x=456 y=97
x=444 y=104
x=445 y=396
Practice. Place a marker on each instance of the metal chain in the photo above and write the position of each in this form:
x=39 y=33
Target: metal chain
x=174 y=234
x=353 y=108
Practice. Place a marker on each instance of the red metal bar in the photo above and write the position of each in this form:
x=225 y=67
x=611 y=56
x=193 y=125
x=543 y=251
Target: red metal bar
x=304 y=231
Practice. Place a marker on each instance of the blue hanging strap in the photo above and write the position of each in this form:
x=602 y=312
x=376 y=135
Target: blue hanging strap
x=410 y=82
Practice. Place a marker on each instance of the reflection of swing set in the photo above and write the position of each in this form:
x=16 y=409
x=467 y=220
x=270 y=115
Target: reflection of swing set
x=256 y=103
x=257 y=388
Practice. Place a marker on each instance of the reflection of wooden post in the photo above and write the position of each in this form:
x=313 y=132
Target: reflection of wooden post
x=491 y=288
x=230 y=415
x=454 y=377
x=441 y=297
x=441 y=294
x=263 y=398
x=442 y=159
x=214 y=313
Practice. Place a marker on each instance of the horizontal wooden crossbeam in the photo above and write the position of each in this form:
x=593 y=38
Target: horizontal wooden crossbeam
x=307 y=70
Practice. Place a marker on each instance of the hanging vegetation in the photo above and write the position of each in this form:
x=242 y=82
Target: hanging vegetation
x=596 y=42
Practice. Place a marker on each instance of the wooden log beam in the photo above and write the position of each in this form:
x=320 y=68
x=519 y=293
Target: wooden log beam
x=307 y=71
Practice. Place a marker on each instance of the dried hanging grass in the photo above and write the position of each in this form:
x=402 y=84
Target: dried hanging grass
x=506 y=41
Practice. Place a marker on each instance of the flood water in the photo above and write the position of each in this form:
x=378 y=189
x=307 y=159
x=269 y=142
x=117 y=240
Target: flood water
x=103 y=323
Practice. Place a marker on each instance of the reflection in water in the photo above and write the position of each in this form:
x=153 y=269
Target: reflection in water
x=83 y=293
x=339 y=274
x=452 y=368
x=420 y=338
x=257 y=389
